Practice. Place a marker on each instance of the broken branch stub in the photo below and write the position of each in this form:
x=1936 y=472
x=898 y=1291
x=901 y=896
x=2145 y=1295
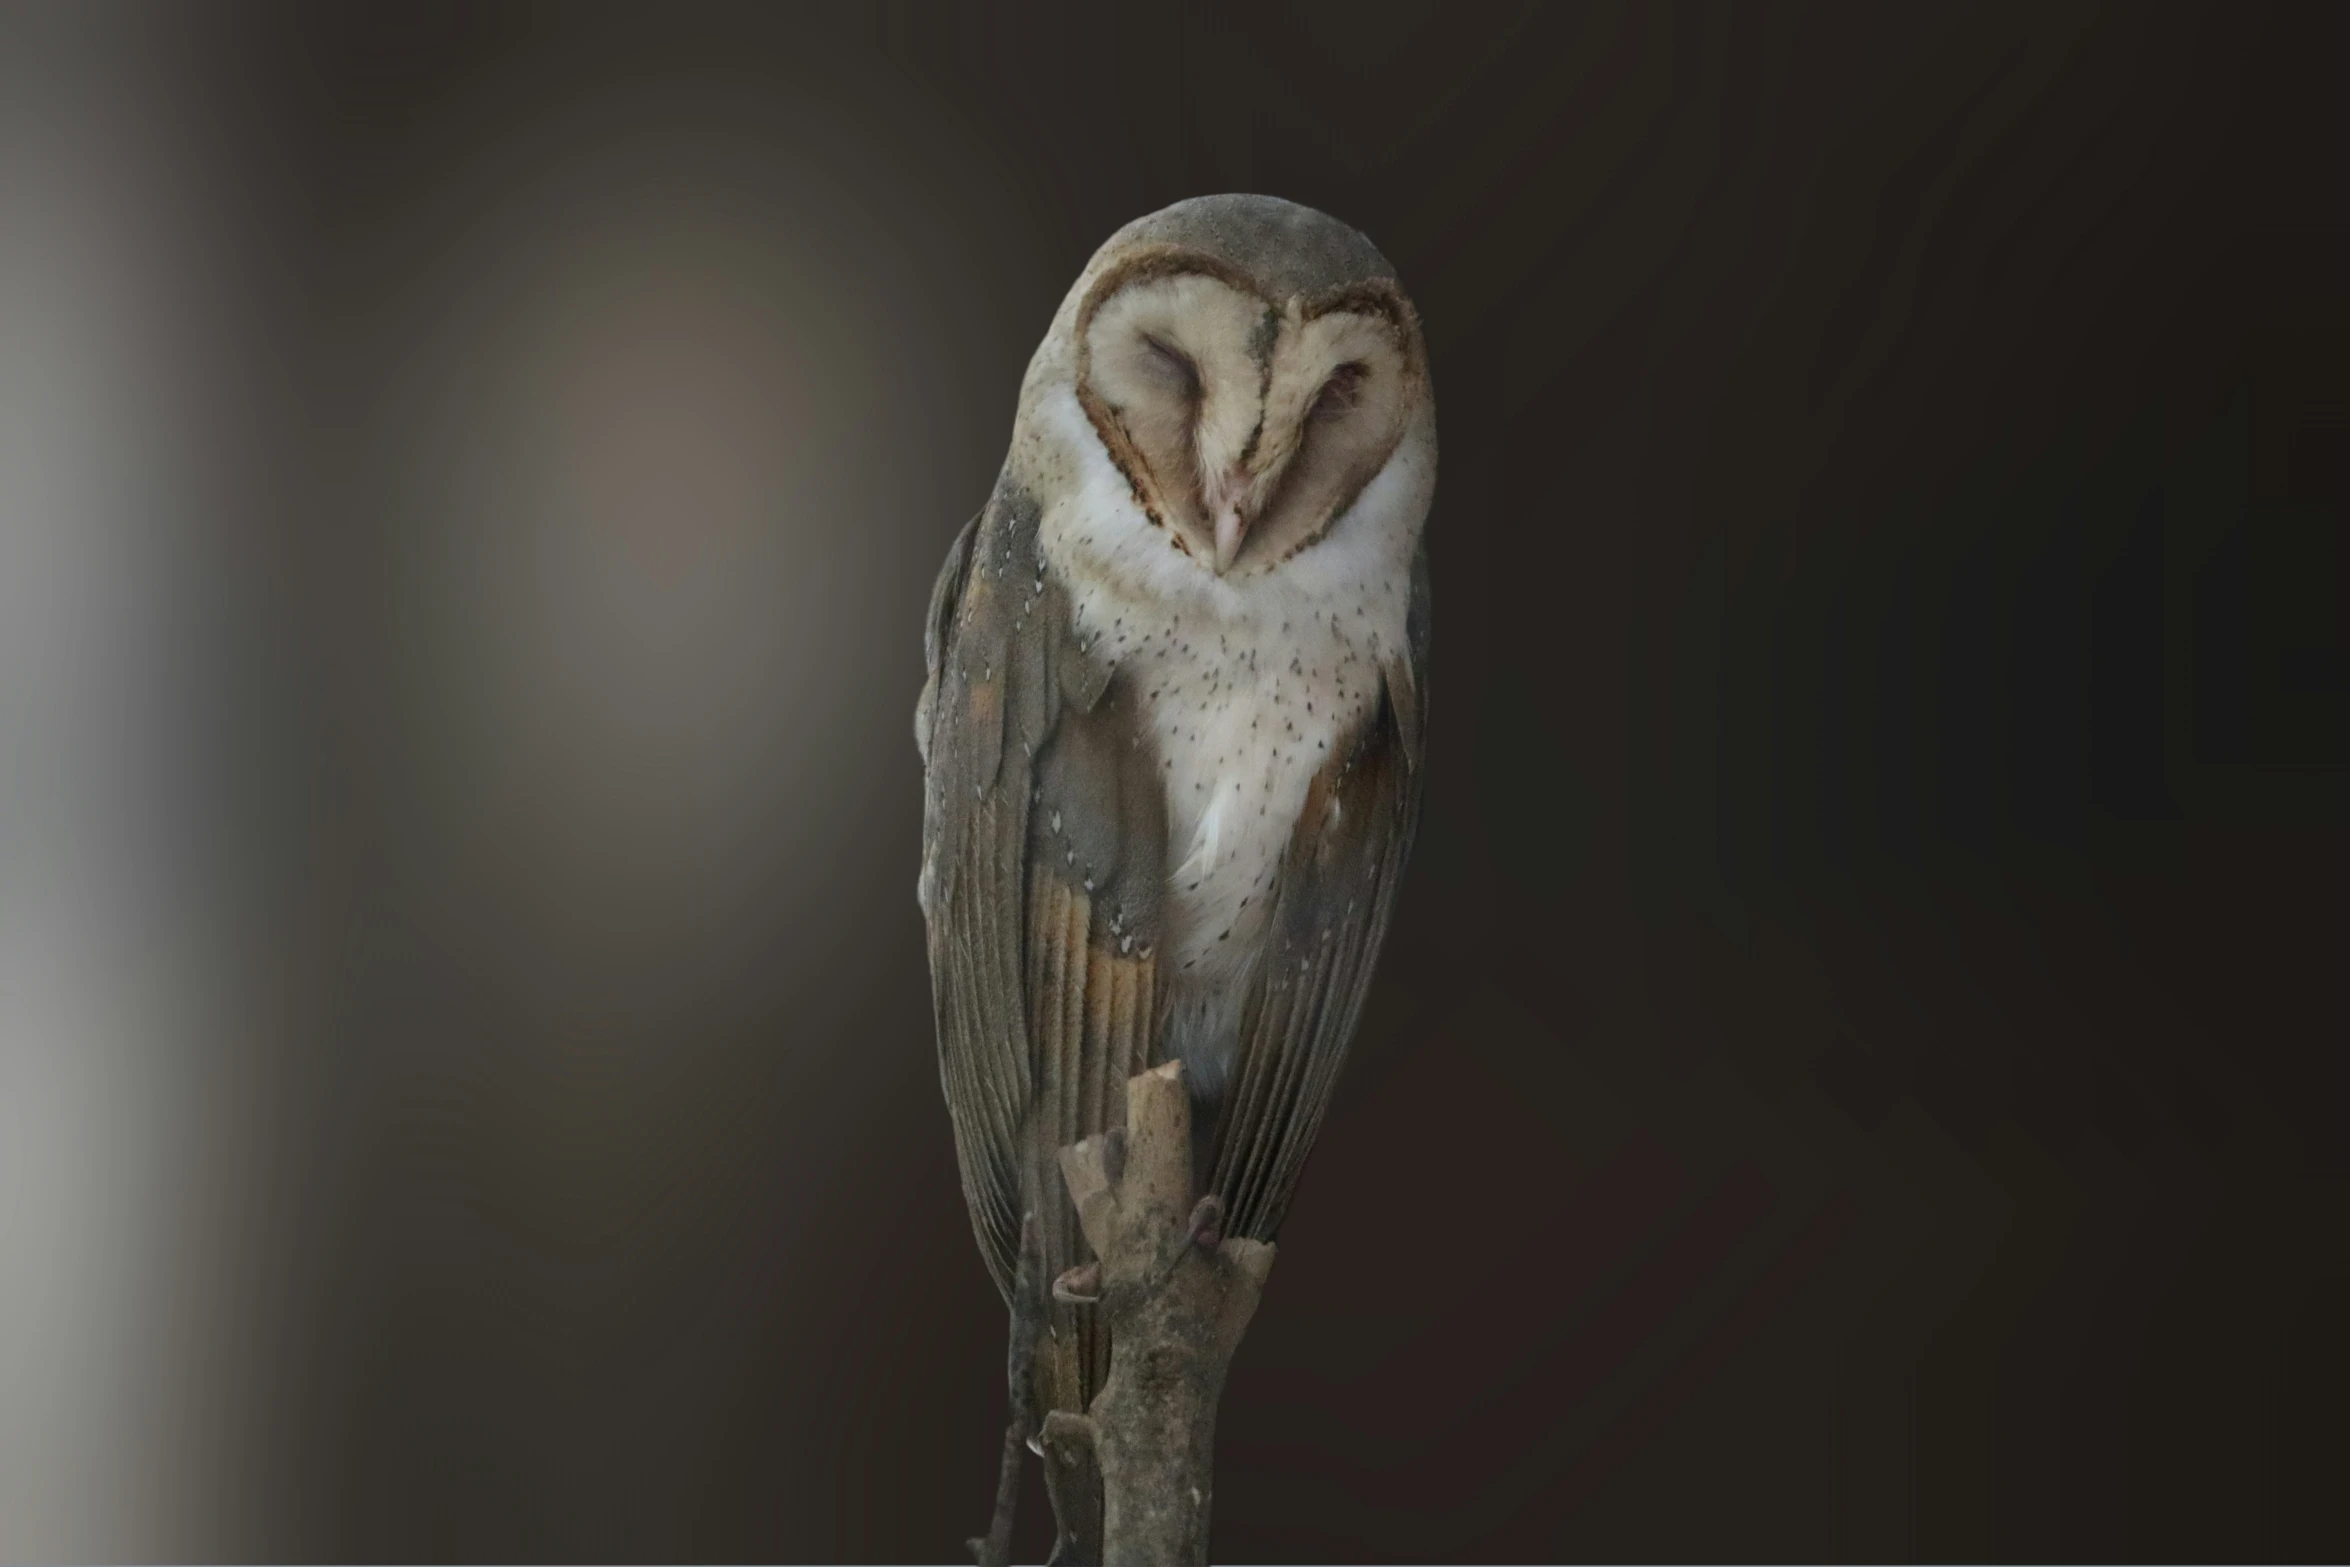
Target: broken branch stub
x=1177 y=1297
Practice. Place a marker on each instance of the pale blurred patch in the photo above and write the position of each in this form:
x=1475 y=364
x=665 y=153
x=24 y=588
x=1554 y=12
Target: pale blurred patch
x=132 y=1293
x=459 y=616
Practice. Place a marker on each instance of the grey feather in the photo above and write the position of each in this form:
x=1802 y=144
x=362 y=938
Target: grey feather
x=1338 y=887
x=1289 y=248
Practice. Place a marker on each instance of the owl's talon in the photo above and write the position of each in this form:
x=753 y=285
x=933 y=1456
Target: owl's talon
x=1080 y=1286
x=1207 y=1222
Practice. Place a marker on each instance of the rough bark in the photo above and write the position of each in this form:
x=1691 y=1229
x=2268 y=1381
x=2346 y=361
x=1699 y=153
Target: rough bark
x=1177 y=1296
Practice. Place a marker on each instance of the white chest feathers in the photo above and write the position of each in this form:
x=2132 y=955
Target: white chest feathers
x=1248 y=689
x=1248 y=685
x=1243 y=712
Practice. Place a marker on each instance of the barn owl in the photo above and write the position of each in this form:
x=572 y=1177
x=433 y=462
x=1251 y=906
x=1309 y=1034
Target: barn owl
x=1171 y=726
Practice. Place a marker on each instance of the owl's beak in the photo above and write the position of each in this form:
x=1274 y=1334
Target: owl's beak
x=1230 y=530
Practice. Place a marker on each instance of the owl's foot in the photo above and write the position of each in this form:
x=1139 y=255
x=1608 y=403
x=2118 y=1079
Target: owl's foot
x=1080 y=1286
x=1206 y=1229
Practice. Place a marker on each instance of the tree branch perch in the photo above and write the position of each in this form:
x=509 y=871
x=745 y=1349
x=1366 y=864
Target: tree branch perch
x=1177 y=1295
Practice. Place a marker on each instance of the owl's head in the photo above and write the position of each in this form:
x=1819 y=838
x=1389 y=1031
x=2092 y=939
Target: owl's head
x=1250 y=365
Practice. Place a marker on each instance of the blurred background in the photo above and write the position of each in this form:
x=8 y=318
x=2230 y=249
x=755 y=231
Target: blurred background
x=1855 y=1073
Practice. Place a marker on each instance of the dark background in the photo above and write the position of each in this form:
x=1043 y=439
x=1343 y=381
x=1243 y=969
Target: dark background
x=1854 y=1073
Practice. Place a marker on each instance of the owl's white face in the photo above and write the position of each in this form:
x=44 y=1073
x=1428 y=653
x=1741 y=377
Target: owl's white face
x=1246 y=427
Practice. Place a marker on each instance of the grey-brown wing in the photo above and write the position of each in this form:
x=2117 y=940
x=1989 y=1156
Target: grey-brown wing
x=1338 y=883
x=1097 y=867
x=1045 y=845
x=968 y=826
